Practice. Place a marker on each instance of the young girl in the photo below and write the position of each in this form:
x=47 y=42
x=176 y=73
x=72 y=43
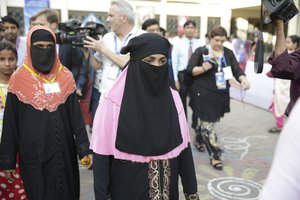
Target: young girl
x=9 y=189
x=281 y=96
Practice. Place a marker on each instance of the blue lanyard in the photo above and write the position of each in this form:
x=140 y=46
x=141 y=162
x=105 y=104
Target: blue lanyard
x=116 y=43
x=222 y=60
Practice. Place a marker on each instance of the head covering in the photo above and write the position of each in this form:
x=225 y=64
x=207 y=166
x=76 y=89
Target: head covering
x=29 y=84
x=42 y=58
x=148 y=121
x=145 y=45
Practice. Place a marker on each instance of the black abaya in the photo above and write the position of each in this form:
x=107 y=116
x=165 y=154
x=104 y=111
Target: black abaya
x=47 y=143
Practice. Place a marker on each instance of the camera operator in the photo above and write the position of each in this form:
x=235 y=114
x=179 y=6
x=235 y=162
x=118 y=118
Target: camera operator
x=285 y=65
x=121 y=21
x=70 y=56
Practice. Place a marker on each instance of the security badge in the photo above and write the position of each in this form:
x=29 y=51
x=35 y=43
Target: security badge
x=220 y=80
x=222 y=76
x=51 y=88
x=113 y=72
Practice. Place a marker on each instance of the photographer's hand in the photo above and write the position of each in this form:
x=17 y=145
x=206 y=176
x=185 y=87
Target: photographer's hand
x=93 y=61
x=280 y=37
x=96 y=45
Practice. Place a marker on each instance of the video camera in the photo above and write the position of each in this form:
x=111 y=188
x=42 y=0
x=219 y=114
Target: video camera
x=280 y=9
x=71 y=32
x=276 y=9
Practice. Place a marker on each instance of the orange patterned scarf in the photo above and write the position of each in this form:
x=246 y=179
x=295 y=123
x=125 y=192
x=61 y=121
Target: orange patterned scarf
x=29 y=84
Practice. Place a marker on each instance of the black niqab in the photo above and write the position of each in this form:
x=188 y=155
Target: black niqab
x=42 y=58
x=148 y=121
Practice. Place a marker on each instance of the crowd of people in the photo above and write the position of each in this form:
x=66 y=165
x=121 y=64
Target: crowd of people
x=133 y=87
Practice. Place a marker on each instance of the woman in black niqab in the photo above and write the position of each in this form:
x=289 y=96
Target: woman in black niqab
x=140 y=138
x=148 y=121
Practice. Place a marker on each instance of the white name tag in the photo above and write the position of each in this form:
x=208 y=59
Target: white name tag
x=227 y=73
x=51 y=88
x=113 y=72
x=220 y=80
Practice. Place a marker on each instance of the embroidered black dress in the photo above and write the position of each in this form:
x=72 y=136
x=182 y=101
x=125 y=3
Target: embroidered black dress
x=156 y=180
x=47 y=143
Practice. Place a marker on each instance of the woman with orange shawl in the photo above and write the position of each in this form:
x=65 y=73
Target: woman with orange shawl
x=43 y=123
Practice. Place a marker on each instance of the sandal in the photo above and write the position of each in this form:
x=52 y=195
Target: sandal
x=217 y=164
x=200 y=147
x=274 y=130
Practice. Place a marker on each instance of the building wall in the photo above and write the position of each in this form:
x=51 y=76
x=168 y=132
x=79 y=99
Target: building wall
x=294 y=24
x=204 y=14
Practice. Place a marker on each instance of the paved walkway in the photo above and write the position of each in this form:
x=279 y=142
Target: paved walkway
x=248 y=153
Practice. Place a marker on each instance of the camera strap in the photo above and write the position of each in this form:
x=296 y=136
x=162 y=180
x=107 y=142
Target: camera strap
x=117 y=50
x=260 y=48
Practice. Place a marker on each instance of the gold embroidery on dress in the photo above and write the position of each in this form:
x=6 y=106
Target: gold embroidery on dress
x=166 y=179
x=192 y=197
x=156 y=192
x=153 y=176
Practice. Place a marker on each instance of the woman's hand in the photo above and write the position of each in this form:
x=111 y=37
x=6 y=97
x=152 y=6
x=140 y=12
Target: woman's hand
x=87 y=161
x=9 y=174
x=244 y=83
x=206 y=66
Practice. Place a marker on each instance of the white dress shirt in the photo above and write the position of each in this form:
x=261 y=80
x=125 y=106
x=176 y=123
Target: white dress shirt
x=180 y=54
x=111 y=70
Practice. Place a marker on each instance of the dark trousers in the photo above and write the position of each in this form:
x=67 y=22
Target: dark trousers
x=101 y=172
x=95 y=101
x=183 y=91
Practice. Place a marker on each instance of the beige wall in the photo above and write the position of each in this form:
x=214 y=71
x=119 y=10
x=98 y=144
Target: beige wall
x=203 y=8
x=294 y=24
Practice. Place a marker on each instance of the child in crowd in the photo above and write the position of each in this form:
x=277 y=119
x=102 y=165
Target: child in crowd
x=13 y=188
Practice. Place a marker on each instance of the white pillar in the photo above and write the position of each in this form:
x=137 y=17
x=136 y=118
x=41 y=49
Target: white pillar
x=226 y=21
x=3 y=8
x=163 y=15
x=203 y=28
x=64 y=11
x=293 y=25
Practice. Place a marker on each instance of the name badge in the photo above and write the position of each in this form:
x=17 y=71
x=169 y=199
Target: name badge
x=51 y=88
x=113 y=72
x=227 y=73
x=220 y=80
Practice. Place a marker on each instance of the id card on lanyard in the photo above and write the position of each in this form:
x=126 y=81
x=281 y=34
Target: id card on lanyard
x=219 y=75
